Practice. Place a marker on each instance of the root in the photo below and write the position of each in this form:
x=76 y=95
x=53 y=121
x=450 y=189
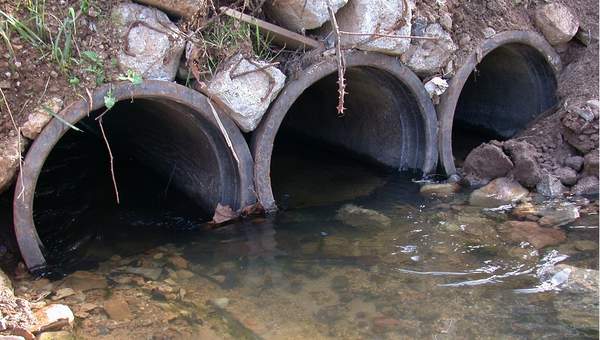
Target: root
x=341 y=61
x=112 y=167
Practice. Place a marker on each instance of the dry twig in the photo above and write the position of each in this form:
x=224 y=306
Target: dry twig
x=112 y=167
x=384 y=35
x=223 y=131
x=341 y=60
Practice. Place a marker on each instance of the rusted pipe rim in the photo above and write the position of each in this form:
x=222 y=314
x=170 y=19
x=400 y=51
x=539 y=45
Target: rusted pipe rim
x=449 y=100
x=28 y=239
x=264 y=136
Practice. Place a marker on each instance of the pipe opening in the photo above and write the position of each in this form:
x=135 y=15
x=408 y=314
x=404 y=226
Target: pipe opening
x=320 y=157
x=172 y=165
x=508 y=89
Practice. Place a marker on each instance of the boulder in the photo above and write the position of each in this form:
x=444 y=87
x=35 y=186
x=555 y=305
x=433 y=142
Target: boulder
x=38 y=119
x=550 y=186
x=9 y=159
x=580 y=125
x=439 y=189
x=574 y=162
x=557 y=22
x=428 y=57
x=301 y=15
x=586 y=186
x=360 y=217
x=567 y=176
x=179 y=8
x=376 y=16
x=246 y=90
x=152 y=47
x=526 y=169
x=487 y=161
x=531 y=232
x=500 y=191
x=590 y=163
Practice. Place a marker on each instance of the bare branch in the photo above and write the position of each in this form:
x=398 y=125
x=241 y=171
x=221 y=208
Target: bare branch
x=112 y=167
x=341 y=60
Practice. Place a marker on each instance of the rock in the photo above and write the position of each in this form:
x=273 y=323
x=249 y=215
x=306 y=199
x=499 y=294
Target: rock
x=62 y=293
x=53 y=317
x=586 y=186
x=221 y=302
x=11 y=337
x=117 y=309
x=179 y=8
x=523 y=210
x=9 y=159
x=488 y=32
x=574 y=162
x=376 y=16
x=567 y=176
x=557 y=23
x=580 y=125
x=148 y=273
x=84 y=281
x=38 y=119
x=5 y=283
x=360 y=217
x=152 y=49
x=301 y=15
x=179 y=262
x=520 y=231
x=500 y=191
x=446 y=21
x=184 y=274
x=550 y=186
x=585 y=245
x=428 y=57
x=526 y=169
x=439 y=189
x=579 y=280
x=590 y=164
x=559 y=216
x=487 y=161
x=435 y=88
x=60 y=335
x=247 y=96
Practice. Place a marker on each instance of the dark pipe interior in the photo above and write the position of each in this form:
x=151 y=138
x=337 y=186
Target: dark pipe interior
x=166 y=168
x=509 y=88
x=382 y=126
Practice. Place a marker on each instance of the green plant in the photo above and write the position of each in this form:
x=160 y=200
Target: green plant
x=62 y=43
x=132 y=77
x=21 y=28
x=109 y=99
x=95 y=65
x=61 y=119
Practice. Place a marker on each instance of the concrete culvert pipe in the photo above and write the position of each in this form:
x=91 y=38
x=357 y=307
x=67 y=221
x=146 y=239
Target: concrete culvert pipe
x=390 y=120
x=168 y=131
x=501 y=88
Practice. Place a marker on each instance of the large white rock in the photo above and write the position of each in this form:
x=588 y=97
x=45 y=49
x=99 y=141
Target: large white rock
x=38 y=119
x=557 y=22
x=152 y=48
x=9 y=159
x=301 y=15
x=376 y=16
x=246 y=90
x=428 y=57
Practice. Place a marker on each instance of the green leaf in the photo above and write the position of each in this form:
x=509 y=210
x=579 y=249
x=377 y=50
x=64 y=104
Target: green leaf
x=91 y=56
x=61 y=119
x=109 y=100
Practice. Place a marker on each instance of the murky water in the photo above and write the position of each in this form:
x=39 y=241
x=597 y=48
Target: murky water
x=409 y=267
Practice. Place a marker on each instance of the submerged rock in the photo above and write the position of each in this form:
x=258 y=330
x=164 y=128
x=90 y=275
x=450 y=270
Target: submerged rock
x=519 y=231
x=117 y=308
x=148 y=273
x=84 y=281
x=360 y=217
x=301 y=15
x=247 y=88
x=557 y=22
x=559 y=216
x=500 y=191
x=439 y=189
x=60 y=335
x=53 y=317
x=153 y=45
x=376 y=16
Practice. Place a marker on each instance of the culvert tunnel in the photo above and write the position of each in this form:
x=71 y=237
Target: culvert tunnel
x=389 y=124
x=170 y=155
x=501 y=88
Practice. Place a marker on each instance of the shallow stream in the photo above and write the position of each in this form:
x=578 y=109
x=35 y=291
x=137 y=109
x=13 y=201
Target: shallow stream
x=403 y=267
